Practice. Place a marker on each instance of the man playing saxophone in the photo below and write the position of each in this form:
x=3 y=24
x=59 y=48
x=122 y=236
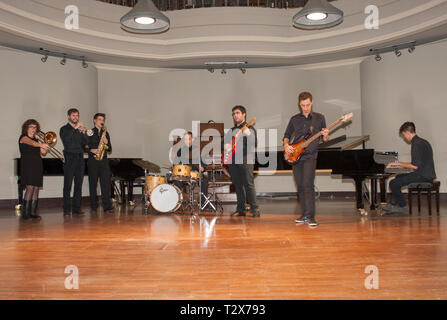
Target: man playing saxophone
x=98 y=164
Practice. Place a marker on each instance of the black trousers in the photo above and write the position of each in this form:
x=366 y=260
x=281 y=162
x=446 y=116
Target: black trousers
x=304 y=174
x=73 y=171
x=400 y=181
x=243 y=181
x=99 y=170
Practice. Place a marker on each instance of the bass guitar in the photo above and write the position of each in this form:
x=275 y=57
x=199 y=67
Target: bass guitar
x=300 y=146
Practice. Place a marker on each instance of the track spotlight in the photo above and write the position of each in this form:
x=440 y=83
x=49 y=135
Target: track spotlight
x=223 y=71
x=243 y=70
x=84 y=64
x=44 y=59
x=211 y=70
x=397 y=52
x=378 y=57
x=411 y=49
x=63 y=61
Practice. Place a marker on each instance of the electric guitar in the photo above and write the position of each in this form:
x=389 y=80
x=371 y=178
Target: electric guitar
x=227 y=155
x=300 y=146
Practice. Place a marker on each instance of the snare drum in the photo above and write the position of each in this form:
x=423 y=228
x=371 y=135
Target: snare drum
x=153 y=180
x=166 y=198
x=181 y=172
x=195 y=175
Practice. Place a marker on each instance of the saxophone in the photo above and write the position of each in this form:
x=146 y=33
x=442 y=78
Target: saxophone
x=102 y=147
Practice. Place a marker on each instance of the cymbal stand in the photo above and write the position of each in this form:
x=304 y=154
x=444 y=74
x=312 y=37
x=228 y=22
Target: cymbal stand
x=147 y=202
x=215 y=203
x=191 y=203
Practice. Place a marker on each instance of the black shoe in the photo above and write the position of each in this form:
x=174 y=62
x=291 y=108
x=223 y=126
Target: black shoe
x=79 y=213
x=256 y=213
x=302 y=219
x=33 y=210
x=238 y=214
x=109 y=210
x=26 y=207
x=312 y=223
x=66 y=213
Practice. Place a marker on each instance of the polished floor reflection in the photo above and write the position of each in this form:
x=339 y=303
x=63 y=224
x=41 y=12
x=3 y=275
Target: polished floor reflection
x=128 y=255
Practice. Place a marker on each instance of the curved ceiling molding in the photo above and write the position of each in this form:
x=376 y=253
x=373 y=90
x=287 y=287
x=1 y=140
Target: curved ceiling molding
x=28 y=23
x=424 y=6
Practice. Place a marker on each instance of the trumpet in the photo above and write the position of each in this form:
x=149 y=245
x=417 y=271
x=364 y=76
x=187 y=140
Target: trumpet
x=50 y=139
x=84 y=130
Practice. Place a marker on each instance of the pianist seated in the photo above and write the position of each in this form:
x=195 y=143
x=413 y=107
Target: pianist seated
x=422 y=165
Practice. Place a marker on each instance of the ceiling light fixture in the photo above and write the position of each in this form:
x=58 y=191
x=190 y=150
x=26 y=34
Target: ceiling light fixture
x=64 y=56
x=145 y=18
x=317 y=14
x=84 y=64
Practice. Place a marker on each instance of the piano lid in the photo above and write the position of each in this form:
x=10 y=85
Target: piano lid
x=343 y=143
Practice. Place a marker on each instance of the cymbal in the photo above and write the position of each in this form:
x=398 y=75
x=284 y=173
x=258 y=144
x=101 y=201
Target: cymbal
x=149 y=166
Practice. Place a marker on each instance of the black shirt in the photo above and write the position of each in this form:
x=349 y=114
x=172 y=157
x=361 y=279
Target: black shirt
x=246 y=145
x=422 y=157
x=93 y=142
x=74 y=141
x=299 y=127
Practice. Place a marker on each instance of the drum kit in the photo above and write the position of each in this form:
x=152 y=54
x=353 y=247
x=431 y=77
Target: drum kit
x=163 y=195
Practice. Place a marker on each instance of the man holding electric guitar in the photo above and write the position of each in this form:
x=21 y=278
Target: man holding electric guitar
x=301 y=127
x=239 y=154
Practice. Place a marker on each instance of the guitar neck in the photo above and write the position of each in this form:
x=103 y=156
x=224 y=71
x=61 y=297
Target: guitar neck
x=246 y=125
x=316 y=136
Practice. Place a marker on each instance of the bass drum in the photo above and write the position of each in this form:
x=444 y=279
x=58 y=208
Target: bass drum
x=166 y=198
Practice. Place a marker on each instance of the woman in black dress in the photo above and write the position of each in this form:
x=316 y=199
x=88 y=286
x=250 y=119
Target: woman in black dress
x=31 y=166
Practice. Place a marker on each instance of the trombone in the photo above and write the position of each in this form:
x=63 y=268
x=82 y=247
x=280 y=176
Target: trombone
x=50 y=139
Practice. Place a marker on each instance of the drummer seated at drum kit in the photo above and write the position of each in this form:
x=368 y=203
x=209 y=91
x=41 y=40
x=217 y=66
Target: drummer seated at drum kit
x=186 y=165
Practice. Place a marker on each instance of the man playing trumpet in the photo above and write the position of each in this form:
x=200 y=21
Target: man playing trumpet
x=74 y=139
x=98 y=168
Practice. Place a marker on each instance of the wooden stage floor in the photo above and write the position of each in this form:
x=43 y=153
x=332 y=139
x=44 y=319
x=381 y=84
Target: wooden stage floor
x=127 y=255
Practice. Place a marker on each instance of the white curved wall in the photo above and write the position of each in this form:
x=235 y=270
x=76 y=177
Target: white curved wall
x=43 y=91
x=142 y=108
x=409 y=88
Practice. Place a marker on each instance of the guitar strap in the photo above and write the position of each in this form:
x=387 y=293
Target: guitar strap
x=312 y=125
x=311 y=129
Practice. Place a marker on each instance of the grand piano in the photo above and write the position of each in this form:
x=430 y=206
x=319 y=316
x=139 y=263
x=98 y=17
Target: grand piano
x=125 y=175
x=338 y=157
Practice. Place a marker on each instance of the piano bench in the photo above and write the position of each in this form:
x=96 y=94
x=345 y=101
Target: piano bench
x=428 y=188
